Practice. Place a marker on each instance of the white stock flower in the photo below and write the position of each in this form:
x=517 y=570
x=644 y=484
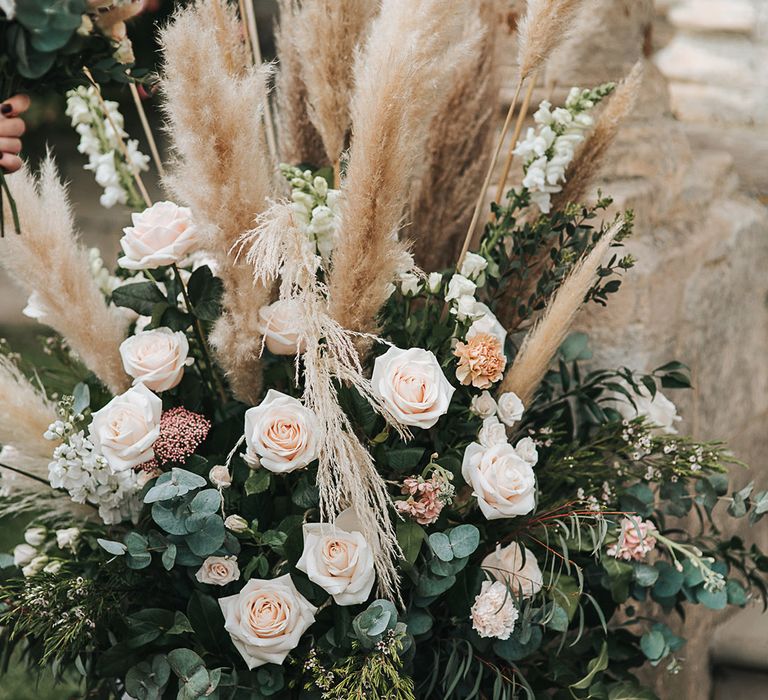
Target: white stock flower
x=156 y=358
x=218 y=571
x=460 y=286
x=492 y=433
x=526 y=448
x=35 y=536
x=483 y=405
x=516 y=567
x=280 y=324
x=161 y=235
x=67 y=538
x=473 y=265
x=659 y=411
x=412 y=386
x=502 y=481
x=510 y=408
x=127 y=427
x=338 y=559
x=23 y=554
x=267 y=619
x=282 y=432
x=494 y=613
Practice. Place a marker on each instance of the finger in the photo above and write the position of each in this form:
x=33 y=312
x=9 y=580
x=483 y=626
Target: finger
x=10 y=163
x=10 y=145
x=13 y=128
x=14 y=105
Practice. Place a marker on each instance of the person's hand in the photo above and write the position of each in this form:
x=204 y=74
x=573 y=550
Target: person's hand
x=11 y=129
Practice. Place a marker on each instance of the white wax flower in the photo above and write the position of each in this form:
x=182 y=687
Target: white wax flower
x=516 y=567
x=494 y=613
x=156 y=358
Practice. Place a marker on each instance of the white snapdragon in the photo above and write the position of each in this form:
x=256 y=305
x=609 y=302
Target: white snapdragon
x=548 y=149
x=100 y=128
x=316 y=207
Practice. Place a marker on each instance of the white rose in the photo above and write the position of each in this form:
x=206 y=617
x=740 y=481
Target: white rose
x=218 y=571
x=220 y=477
x=526 y=448
x=127 y=427
x=434 y=281
x=485 y=322
x=520 y=572
x=659 y=411
x=266 y=619
x=156 y=358
x=464 y=307
x=473 y=265
x=510 y=408
x=412 y=386
x=460 y=286
x=23 y=554
x=67 y=537
x=410 y=284
x=338 y=559
x=35 y=536
x=280 y=326
x=236 y=523
x=282 y=433
x=35 y=566
x=503 y=482
x=160 y=235
x=493 y=432
x=483 y=405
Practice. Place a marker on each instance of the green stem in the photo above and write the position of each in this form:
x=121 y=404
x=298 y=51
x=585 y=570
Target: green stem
x=26 y=474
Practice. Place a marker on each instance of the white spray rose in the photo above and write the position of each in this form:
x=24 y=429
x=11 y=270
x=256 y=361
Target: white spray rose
x=160 y=235
x=218 y=571
x=464 y=307
x=485 y=322
x=494 y=613
x=339 y=559
x=220 y=477
x=502 y=481
x=434 y=281
x=460 y=286
x=410 y=284
x=282 y=433
x=67 y=538
x=236 y=523
x=23 y=554
x=412 y=386
x=658 y=411
x=279 y=323
x=526 y=448
x=516 y=567
x=483 y=405
x=473 y=265
x=35 y=536
x=127 y=427
x=493 y=432
x=510 y=408
x=266 y=619
x=156 y=358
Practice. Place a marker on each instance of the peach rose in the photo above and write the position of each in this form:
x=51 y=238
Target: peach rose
x=506 y=565
x=266 y=619
x=218 y=571
x=412 y=386
x=156 y=358
x=160 y=235
x=282 y=433
x=127 y=427
x=338 y=559
x=279 y=326
x=503 y=482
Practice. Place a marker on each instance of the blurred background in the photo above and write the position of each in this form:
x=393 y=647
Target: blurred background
x=693 y=163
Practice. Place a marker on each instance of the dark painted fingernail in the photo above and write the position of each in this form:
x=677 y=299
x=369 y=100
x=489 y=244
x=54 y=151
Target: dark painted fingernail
x=6 y=109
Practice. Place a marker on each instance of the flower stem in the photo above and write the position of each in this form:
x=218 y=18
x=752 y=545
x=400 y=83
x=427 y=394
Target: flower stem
x=26 y=474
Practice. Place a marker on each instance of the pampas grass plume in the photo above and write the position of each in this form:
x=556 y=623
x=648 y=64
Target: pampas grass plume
x=544 y=339
x=543 y=27
x=49 y=259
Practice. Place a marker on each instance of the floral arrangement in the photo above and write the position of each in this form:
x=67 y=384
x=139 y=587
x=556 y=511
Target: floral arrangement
x=281 y=460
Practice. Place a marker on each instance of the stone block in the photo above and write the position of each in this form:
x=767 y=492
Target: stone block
x=710 y=59
x=714 y=15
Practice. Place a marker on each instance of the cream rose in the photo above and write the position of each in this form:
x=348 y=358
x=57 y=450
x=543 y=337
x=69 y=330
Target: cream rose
x=659 y=411
x=503 y=482
x=483 y=405
x=510 y=408
x=218 y=571
x=493 y=432
x=127 y=427
x=526 y=448
x=220 y=477
x=282 y=433
x=279 y=324
x=266 y=619
x=412 y=386
x=519 y=571
x=156 y=358
x=338 y=559
x=458 y=287
x=160 y=235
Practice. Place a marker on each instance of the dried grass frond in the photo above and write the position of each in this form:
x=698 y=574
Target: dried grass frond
x=327 y=34
x=50 y=260
x=544 y=339
x=410 y=57
x=298 y=139
x=544 y=26
x=459 y=149
x=222 y=168
x=591 y=156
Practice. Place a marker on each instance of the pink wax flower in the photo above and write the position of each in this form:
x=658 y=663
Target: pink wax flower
x=636 y=540
x=426 y=497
